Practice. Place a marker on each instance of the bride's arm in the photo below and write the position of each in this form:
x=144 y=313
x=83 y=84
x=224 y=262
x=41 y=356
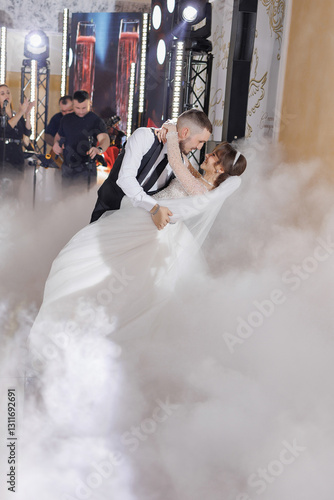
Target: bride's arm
x=189 y=183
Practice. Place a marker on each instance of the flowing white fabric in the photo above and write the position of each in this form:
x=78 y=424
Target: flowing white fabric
x=199 y=212
x=95 y=342
x=123 y=269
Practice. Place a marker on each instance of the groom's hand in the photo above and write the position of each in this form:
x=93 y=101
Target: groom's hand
x=161 y=217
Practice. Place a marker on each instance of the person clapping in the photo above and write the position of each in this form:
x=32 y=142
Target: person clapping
x=14 y=126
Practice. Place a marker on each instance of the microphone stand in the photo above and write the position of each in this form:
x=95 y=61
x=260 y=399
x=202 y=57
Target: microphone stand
x=90 y=161
x=34 y=183
x=3 y=124
x=38 y=160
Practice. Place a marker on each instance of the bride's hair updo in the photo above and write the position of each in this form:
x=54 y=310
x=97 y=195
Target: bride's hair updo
x=226 y=155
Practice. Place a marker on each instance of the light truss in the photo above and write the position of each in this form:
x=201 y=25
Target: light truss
x=35 y=82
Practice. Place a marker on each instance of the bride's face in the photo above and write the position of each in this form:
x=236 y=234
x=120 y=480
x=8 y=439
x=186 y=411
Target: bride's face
x=211 y=163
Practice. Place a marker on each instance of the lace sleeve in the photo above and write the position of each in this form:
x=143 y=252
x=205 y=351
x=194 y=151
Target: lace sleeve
x=189 y=183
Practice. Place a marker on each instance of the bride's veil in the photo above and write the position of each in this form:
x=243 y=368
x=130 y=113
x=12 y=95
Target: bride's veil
x=199 y=212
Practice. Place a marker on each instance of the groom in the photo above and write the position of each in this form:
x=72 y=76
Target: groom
x=142 y=168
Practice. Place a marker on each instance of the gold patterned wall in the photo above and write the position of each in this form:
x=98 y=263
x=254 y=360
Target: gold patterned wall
x=308 y=87
x=221 y=33
x=266 y=64
x=265 y=67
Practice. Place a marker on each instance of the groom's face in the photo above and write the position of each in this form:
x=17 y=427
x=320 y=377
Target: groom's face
x=194 y=141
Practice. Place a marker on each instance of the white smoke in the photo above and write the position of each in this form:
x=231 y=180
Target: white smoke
x=229 y=399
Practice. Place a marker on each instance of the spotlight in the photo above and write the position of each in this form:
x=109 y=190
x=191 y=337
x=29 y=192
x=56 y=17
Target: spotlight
x=192 y=23
x=190 y=11
x=35 y=40
x=36 y=46
x=189 y=14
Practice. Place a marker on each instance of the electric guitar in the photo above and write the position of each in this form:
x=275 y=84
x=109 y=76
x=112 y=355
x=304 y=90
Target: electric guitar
x=58 y=159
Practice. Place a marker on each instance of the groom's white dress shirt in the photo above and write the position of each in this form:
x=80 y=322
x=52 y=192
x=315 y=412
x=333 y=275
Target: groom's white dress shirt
x=136 y=147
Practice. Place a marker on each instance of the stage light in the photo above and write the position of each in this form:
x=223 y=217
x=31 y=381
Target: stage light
x=131 y=98
x=161 y=51
x=179 y=57
x=33 y=84
x=143 y=64
x=170 y=6
x=63 y=80
x=192 y=23
x=35 y=76
x=158 y=93
x=156 y=17
x=189 y=14
x=35 y=40
x=36 y=46
x=3 y=55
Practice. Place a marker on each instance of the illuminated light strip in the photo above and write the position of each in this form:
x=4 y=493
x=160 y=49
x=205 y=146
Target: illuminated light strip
x=63 y=80
x=3 y=55
x=131 y=97
x=143 y=65
x=33 y=83
x=177 y=79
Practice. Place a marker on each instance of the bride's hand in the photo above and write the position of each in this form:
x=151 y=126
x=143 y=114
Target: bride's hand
x=161 y=133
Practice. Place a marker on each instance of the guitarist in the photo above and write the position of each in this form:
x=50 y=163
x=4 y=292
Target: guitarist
x=117 y=140
x=82 y=136
x=66 y=107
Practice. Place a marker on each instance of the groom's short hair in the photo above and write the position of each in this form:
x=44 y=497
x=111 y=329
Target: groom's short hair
x=194 y=118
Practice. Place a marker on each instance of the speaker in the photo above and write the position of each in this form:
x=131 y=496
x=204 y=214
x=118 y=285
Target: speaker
x=238 y=69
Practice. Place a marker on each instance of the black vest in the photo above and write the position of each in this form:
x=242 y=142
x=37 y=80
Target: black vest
x=110 y=194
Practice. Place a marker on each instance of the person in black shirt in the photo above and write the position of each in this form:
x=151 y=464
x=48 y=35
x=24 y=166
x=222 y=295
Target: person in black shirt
x=77 y=140
x=66 y=107
x=13 y=126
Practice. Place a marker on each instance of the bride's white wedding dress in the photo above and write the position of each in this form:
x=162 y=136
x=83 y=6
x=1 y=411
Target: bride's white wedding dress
x=122 y=269
x=107 y=300
x=115 y=274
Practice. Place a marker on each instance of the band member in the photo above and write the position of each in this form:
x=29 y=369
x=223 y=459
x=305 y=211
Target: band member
x=82 y=135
